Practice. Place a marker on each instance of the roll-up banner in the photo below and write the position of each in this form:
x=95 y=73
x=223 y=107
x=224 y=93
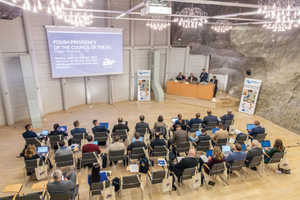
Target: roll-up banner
x=144 y=85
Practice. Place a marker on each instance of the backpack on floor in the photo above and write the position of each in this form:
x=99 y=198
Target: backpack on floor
x=144 y=165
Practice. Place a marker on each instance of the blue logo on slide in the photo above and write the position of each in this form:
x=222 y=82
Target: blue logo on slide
x=142 y=73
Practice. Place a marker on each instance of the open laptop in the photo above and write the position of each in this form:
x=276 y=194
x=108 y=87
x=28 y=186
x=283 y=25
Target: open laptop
x=250 y=126
x=226 y=149
x=141 y=139
x=244 y=148
x=62 y=128
x=198 y=133
x=214 y=130
x=44 y=133
x=209 y=153
x=41 y=150
x=265 y=144
x=95 y=142
x=174 y=119
x=125 y=122
x=104 y=124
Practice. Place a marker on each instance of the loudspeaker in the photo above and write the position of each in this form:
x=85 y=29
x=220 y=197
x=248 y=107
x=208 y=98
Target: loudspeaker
x=248 y=72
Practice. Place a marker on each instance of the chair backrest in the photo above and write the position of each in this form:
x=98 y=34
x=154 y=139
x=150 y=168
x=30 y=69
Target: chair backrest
x=159 y=151
x=137 y=153
x=33 y=141
x=255 y=161
x=100 y=136
x=241 y=139
x=54 y=139
x=64 y=196
x=195 y=127
x=203 y=145
x=130 y=182
x=221 y=141
x=261 y=137
x=78 y=136
x=31 y=164
x=188 y=173
x=237 y=165
x=96 y=188
x=116 y=155
x=161 y=129
x=141 y=131
x=183 y=147
x=88 y=158
x=29 y=197
x=276 y=157
x=64 y=160
x=158 y=176
x=211 y=125
x=122 y=133
x=216 y=169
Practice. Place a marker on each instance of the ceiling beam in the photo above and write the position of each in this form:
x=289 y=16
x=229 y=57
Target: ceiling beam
x=219 y=3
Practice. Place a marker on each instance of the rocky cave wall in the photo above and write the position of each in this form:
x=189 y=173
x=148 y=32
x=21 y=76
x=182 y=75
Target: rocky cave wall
x=272 y=57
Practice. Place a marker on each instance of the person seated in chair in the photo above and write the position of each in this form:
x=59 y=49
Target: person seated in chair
x=60 y=186
x=180 y=77
x=137 y=143
x=96 y=176
x=236 y=155
x=255 y=151
x=63 y=150
x=115 y=146
x=277 y=147
x=256 y=130
x=119 y=126
x=180 y=121
x=142 y=124
x=192 y=78
x=200 y=138
x=210 y=118
x=219 y=134
x=29 y=133
x=228 y=116
x=90 y=147
x=196 y=120
x=98 y=128
x=185 y=163
x=56 y=131
x=178 y=136
x=157 y=141
x=77 y=129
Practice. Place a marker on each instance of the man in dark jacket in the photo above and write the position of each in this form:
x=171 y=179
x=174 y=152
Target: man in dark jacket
x=210 y=118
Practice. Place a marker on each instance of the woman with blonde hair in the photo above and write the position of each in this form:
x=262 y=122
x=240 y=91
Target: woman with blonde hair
x=277 y=147
x=30 y=153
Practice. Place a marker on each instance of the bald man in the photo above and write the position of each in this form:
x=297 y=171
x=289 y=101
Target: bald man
x=255 y=151
x=120 y=125
x=185 y=163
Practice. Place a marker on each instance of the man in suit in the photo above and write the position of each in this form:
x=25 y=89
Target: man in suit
x=157 y=141
x=256 y=130
x=178 y=136
x=210 y=118
x=219 y=134
x=255 y=151
x=78 y=130
x=29 y=132
x=214 y=80
x=98 y=128
x=180 y=77
x=120 y=125
x=185 y=163
x=59 y=186
x=63 y=150
x=236 y=155
x=137 y=143
x=116 y=146
x=229 y=116
x=203 y=76
x=192 y=78
x=90 y=147
x=142 y=124
x=201 y=137
x=196 y=120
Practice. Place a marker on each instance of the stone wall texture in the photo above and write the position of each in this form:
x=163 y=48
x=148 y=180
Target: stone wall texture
x=273 y=57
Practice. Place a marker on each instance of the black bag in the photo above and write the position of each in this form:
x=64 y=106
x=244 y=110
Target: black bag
x=104 y=160
x=116 y=183
x=172 y=156
x=144 y=165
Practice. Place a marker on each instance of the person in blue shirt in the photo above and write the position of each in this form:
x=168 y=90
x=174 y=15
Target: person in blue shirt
x=196 y=120
x=98 y=128
x=29 y=132
x=96 y=176
x=77 y=130
x=236 y=155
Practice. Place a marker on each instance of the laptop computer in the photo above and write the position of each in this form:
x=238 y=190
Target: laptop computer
x=141 y=139
x=41 y=150
x=209 y=153
x=198 y=133
x=44 y=133
x=95 y=142
x=62 y=128
x=214 y=130
x=226 y=149
x=174 y=119
x=244 y=148
x=250 y=126
x=265 y=144
x=104 y=124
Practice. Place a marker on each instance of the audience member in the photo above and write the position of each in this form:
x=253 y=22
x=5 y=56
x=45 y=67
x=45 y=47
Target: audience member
x=137 y=143
x=63 y=150
x=256 y=130
x=30 y=154
x=180 y=121
x=203 y=76
x=228 y=116
x=160 y=122
x=196 y=120
x=116 y=146
x=185 y=163
x=98 y=128
x=96 y=176
x=219 y=134
x=180 y=77
x=78 y=130
x=210 y=118
x=29 y=132
x=57 y=131
x=90 y=147
x=120 y=126
x=192 y=78
x=277 y=147
x=60 y=186
x=236 y=155
x=157 y=141
x=142 y=124
x=178 y=136
x=255 y=151
x=201 y=137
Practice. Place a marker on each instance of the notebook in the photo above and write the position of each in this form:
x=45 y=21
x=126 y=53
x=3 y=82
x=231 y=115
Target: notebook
x=214 y=130
x=198 y=133
x=141 y=139
x=226 y=149
x=41 y=150
x=209 y=153
x=265 y=144
x=62 y=128
x=179 y=158
x=244 y=148
x=104 y=124
x=44 y=132
x=174 y=119
x=250 y=126
x=95 y=142
x=161 y=162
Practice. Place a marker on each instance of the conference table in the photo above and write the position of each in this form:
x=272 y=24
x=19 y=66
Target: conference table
x=191 y=90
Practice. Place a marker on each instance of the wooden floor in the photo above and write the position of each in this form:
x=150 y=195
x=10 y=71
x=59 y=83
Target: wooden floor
x=268 y=187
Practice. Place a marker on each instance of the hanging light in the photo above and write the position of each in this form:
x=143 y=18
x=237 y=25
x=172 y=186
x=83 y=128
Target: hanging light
x=158 y=23
x=222 y=26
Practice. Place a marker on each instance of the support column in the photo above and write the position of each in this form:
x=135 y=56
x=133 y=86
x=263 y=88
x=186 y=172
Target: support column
x=131 y=63
x=88 y=93
x=111 y=89
x=5 y=94
x=64 y=90
x=186 y=61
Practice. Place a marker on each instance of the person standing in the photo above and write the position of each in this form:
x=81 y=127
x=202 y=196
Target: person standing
x=214 y=80
x=203 y=76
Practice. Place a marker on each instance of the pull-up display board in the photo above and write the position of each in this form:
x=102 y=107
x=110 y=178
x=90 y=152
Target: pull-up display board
x=79 y=51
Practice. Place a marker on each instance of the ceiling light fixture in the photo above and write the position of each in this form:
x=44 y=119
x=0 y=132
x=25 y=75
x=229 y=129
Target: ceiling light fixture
x=158 y=23
x=222 y=26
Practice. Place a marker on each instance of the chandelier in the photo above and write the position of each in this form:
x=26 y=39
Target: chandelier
x=61 y=9
x=280 y=14
x=158 y=23
x=222 y=26
x=191 y=17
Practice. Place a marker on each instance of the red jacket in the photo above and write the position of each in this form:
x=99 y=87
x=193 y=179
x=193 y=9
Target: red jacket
x=90 y=148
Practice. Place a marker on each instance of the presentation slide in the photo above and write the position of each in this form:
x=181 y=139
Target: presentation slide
x=84 y=51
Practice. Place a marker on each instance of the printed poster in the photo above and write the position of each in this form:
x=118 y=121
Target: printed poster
x=144 y=85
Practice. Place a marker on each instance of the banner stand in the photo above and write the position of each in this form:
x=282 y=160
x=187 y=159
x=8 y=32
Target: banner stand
x=144 y=85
